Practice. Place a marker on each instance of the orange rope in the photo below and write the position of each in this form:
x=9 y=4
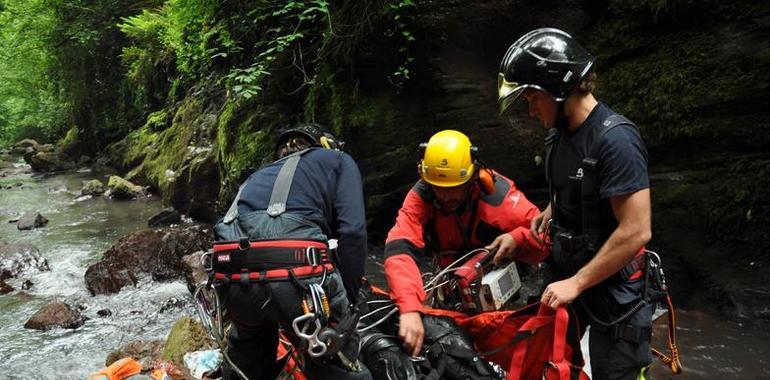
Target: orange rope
x=672 y=362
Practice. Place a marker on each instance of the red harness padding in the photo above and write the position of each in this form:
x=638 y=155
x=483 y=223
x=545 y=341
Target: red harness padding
x=236 y=261
x=531 y=345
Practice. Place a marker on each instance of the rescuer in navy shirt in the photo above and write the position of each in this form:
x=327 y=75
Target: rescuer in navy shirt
x=598 y=217
x=275 y=267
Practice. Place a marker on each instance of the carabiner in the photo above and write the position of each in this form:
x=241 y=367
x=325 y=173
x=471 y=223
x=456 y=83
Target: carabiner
x=206 y=261
x=316 y=347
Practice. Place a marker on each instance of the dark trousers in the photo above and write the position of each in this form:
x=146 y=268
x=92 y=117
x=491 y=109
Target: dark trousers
x=612 y=357
x=258 y=310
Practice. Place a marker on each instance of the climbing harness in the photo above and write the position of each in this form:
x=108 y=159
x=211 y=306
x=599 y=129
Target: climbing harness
x=655 y=291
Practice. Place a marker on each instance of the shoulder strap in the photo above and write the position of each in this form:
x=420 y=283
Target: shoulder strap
x=280 y=194
x=551 y=141
x=282 y=185
x=590 y=182
x=232 y=212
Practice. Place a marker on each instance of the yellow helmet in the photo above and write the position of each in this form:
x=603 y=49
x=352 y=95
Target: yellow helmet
x=447 y=159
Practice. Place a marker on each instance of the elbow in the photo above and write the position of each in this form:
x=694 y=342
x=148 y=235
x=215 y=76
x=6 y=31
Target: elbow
x=644 y=236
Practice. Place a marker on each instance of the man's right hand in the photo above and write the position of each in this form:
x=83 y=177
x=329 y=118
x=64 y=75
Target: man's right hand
x=411 y=332
x=540 y=223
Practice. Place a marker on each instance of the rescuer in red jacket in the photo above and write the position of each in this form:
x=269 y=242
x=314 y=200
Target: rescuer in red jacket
x=457 y=205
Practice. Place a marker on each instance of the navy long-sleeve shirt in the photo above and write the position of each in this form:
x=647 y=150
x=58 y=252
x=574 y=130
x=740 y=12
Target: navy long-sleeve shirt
x=327 y=191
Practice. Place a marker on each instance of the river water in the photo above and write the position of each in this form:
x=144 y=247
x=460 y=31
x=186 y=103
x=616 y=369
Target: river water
x=80 y=231
x=77 y=234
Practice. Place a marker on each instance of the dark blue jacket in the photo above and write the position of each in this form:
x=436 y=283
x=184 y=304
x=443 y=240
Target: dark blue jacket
x=327 y=191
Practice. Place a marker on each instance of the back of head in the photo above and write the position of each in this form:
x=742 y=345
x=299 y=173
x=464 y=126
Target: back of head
x=545 y=59
x=305 y=136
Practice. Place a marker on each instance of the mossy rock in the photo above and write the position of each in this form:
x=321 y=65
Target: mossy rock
x=92 y=187
x=70 y=144
x=187 y=335
x=122 y=189
x=157 y=121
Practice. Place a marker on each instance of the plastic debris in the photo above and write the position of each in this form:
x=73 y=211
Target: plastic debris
x=201 y=362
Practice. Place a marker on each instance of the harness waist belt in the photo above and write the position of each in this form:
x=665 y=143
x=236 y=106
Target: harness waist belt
x=275 y=274
x=267 y=255
x=575 y=248
x=627 y=332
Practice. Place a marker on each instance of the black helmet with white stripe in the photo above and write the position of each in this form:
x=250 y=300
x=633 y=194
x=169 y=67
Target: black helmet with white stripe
x=545 y=59
x=314 y=133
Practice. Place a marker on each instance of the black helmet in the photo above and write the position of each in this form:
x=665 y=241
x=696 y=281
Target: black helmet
x=315 y=133
x=546 y=59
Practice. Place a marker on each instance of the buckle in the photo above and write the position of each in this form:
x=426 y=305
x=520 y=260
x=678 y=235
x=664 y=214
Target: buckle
x=628 y=332
x=244 y=244
x=207 y=261
x=313 y=256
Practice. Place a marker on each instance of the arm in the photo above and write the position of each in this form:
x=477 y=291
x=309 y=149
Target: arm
x=517 y=214
x=351 y=222
x=540 y=224
x=403 y=246
x=633 y=232
x=404 y=243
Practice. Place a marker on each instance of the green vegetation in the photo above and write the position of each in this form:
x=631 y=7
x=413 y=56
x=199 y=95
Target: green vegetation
x=31 y=105
x=105 y=66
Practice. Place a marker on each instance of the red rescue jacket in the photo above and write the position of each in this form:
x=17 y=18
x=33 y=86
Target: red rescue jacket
x=486 y=216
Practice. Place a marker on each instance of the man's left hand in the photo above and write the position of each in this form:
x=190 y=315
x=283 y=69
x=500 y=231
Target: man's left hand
x=506 y=247
x=560 y=293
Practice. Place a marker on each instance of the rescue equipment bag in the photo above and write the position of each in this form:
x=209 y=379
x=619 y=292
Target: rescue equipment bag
x=529 y=343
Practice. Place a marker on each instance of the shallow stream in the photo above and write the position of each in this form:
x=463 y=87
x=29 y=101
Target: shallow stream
x=79 y=231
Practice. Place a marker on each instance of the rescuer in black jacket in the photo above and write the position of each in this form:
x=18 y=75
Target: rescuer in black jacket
x=283 y=217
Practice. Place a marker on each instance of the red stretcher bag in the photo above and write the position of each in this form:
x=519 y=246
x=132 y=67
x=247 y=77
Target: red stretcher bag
x=531 y=345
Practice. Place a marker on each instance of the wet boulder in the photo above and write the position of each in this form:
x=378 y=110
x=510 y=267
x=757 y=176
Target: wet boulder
x=108 y=278
x=46 y=148
x=92 y=187
x=49 y=162
x=194 y=188
x=146 y=352
x=5 y=288
x=17 y=258
x=175 y=303
x=26 y=143
x=31 y=220
x=71 y=143
x=154 y=252
x=166 y=217
x=25 y=146
x=187 y=335
x=122 y=189
x=194 y=272
x=55 y=314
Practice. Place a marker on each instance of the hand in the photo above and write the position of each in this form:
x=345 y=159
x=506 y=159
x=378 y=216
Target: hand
x=560 y=293
x=539 y=224
x=411 y=332
x=506 y=247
